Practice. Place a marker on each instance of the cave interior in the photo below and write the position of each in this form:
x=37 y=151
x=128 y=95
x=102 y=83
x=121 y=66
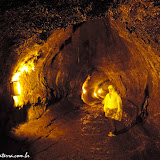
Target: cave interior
x=53 y=84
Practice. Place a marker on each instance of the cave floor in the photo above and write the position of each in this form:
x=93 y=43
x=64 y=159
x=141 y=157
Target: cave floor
x=82 y=134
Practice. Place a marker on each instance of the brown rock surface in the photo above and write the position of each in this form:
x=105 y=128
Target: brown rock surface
x=54 y=123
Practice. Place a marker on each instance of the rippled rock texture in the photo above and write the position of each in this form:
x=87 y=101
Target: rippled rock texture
x=120 y=47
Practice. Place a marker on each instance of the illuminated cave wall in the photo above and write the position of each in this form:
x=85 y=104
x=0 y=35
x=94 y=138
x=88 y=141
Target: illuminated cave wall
x=96 y=49
x=112 y=50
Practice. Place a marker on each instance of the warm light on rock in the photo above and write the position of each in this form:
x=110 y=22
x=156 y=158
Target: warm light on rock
x=15 y=88
x=83 y=88
x=57 y=61
x=16 y=100
x=17 y=78
x=95 y=94
x=100 y=90
x=84 y=91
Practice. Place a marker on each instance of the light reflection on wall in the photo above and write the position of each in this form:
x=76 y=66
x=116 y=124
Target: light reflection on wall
x=92 y=91
x=25 y=67
x=84 y=91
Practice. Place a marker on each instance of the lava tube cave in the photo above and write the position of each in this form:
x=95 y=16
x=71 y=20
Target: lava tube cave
x=53 y=82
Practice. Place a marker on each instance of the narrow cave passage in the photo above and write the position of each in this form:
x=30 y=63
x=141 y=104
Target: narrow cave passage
x=58 y=123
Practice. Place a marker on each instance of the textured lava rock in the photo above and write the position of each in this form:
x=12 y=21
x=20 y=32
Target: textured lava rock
x=121 y=48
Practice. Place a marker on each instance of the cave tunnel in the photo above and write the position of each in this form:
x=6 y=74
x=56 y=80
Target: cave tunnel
x=52 y=88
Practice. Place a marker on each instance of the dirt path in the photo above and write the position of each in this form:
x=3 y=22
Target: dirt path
x=82 y=134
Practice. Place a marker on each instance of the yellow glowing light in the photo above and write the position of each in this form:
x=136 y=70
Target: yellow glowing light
x=16 y=76
x=84 y=90
x=84 y=84
x=95 y=94
x=24 y=67
x=16 y=100
x=100 y=90
x=18 y=87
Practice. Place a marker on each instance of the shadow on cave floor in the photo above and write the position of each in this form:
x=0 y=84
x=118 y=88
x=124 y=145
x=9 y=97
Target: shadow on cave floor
x=66 y=131
x=11 y=117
